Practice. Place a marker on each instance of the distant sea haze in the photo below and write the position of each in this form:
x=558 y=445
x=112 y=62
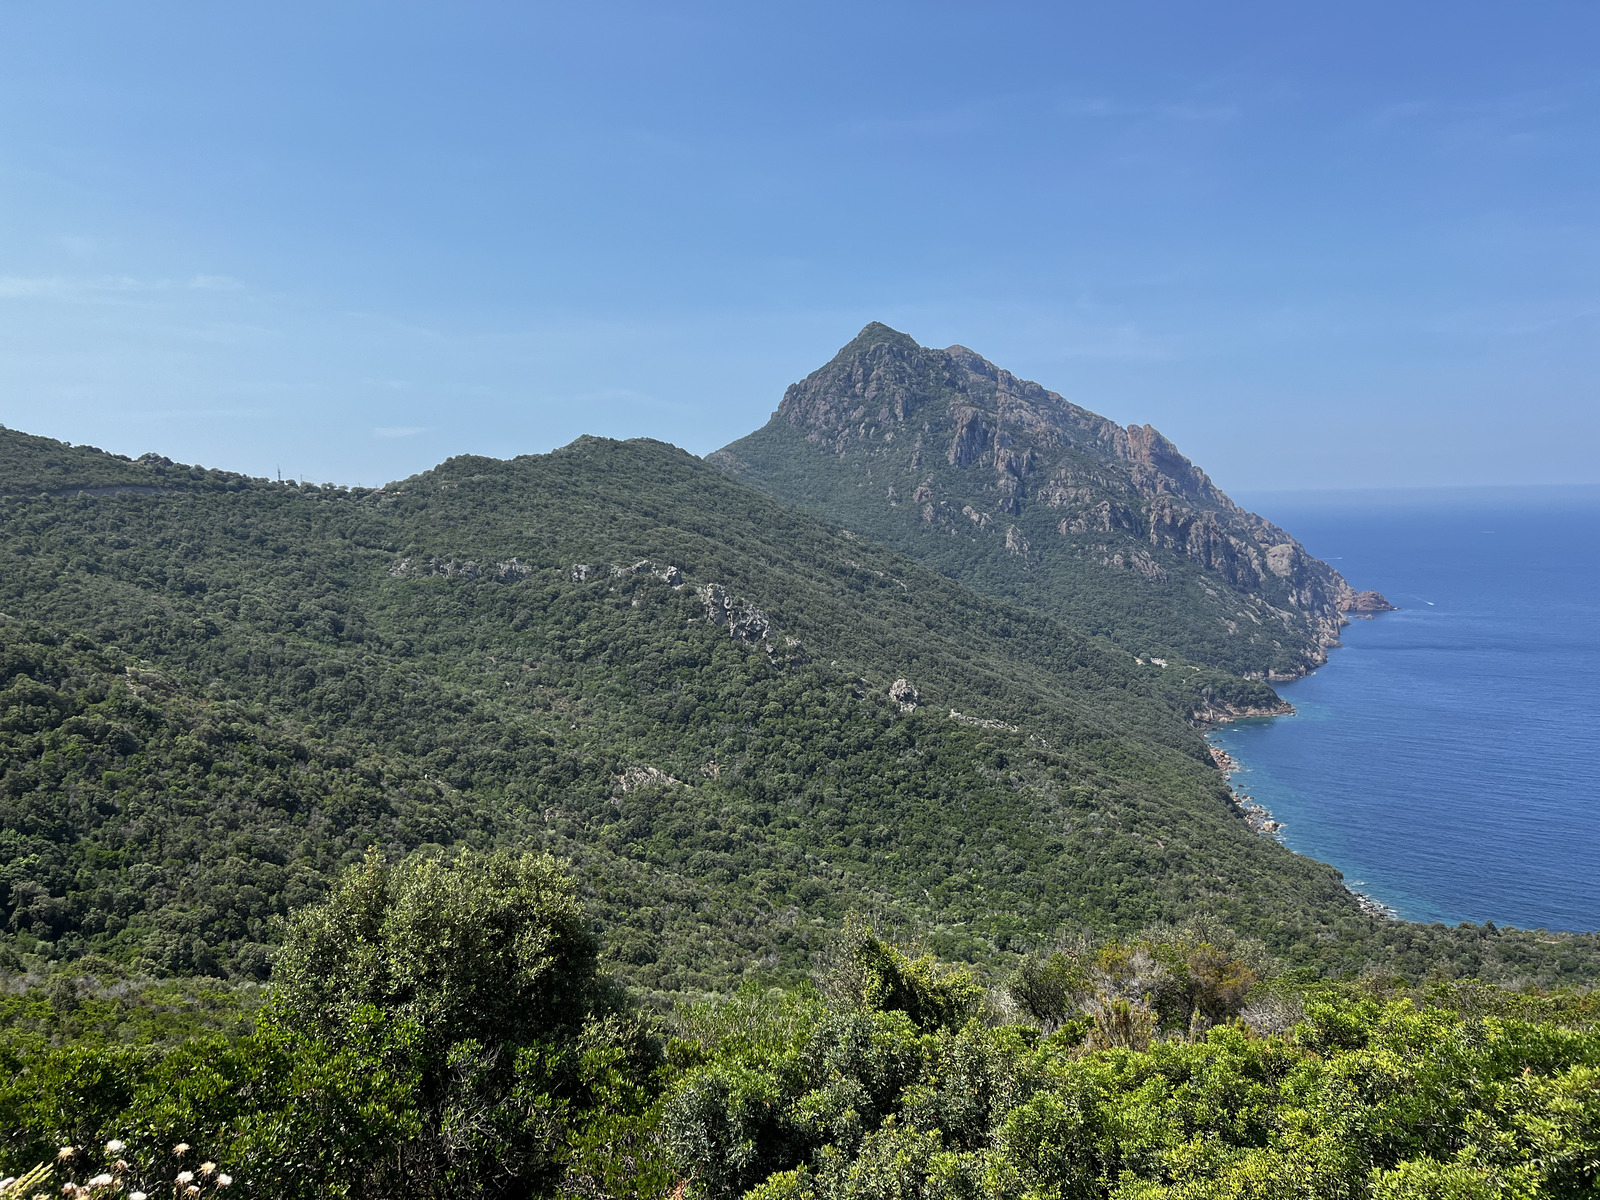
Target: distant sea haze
x=1447 y=757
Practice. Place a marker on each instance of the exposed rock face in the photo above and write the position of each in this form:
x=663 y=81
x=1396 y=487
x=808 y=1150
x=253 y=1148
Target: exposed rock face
x=745 y=622
x=903 y=694
x=982 y=455
x=668 y=575
x=511 y=570
x=638 y=777
x=748 y=624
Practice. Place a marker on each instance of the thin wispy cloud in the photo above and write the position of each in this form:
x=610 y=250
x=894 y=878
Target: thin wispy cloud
x=1509 y=118
x=620 y=397
x=1513 y=322
x=937 y=124
x=1100 y=106
x=67 y=287
x=970 y=117
x=1397 y=114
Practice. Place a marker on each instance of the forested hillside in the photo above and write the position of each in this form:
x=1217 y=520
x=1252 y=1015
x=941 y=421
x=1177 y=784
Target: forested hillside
x=1016 y=491
x=739 y=725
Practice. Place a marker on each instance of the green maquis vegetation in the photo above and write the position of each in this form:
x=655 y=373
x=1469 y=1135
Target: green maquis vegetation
x=737 y=723
x=908 y=1085
x=441 y=1028
x=499 y=833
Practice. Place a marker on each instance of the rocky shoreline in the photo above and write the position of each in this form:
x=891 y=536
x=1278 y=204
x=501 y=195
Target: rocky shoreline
x=1357 y=605
x=1256 y=815
x=1260 y=818
x=1362 y=603
x=1372 y=907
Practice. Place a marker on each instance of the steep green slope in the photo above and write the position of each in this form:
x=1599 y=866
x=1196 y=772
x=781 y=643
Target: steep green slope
x=215 y=690
x=1012 y=489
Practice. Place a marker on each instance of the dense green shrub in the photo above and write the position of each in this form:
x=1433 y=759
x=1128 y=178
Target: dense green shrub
x=236 y=717
x=488 y=966
x=495 y=1061
x=1361 y=1098
x=439 y=1029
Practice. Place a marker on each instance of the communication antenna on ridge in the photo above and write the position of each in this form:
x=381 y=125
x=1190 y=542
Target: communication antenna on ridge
x=280 y=474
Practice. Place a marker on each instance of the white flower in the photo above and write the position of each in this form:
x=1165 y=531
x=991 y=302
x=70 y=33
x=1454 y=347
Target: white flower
x=185 y=1177
x=224 y=1180
x=181 y=1149
x=101 y=1180
x=207 y=1167
x=114 y=1145
x=137 y=1196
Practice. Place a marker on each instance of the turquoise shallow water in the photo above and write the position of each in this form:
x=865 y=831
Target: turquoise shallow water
x=1447 y=759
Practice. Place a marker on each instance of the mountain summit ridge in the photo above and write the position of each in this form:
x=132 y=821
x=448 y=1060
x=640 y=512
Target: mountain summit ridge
x=1013 y=488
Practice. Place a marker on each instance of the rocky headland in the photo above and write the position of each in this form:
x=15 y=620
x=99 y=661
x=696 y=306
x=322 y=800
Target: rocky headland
x=1365 y=602
x=1216 y=711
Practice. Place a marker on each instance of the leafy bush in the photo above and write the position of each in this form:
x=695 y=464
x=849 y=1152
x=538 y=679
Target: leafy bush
x=1365 y=1097
x=439 y=1029
x=488 y=965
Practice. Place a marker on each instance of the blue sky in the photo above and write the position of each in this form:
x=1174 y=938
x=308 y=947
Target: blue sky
x=1318 y=246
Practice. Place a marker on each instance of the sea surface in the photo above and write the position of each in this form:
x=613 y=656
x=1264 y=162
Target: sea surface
x=1447 y=758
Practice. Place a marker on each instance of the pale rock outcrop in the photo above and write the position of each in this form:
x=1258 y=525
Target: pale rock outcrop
x=634 y=778
x=511 y=570
x=743 y=620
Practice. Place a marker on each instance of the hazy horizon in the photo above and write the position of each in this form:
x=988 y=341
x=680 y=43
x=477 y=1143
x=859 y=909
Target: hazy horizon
x=1348 y=248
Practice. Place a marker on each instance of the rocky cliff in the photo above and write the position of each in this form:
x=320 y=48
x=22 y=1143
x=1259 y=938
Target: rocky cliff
x=1013 y=488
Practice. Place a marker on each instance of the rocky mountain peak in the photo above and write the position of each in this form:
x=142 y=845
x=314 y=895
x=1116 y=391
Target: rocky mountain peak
x=918 y=443
x=882 y=379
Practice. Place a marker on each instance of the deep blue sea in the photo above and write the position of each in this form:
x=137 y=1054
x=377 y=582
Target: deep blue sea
x=1447 y=758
